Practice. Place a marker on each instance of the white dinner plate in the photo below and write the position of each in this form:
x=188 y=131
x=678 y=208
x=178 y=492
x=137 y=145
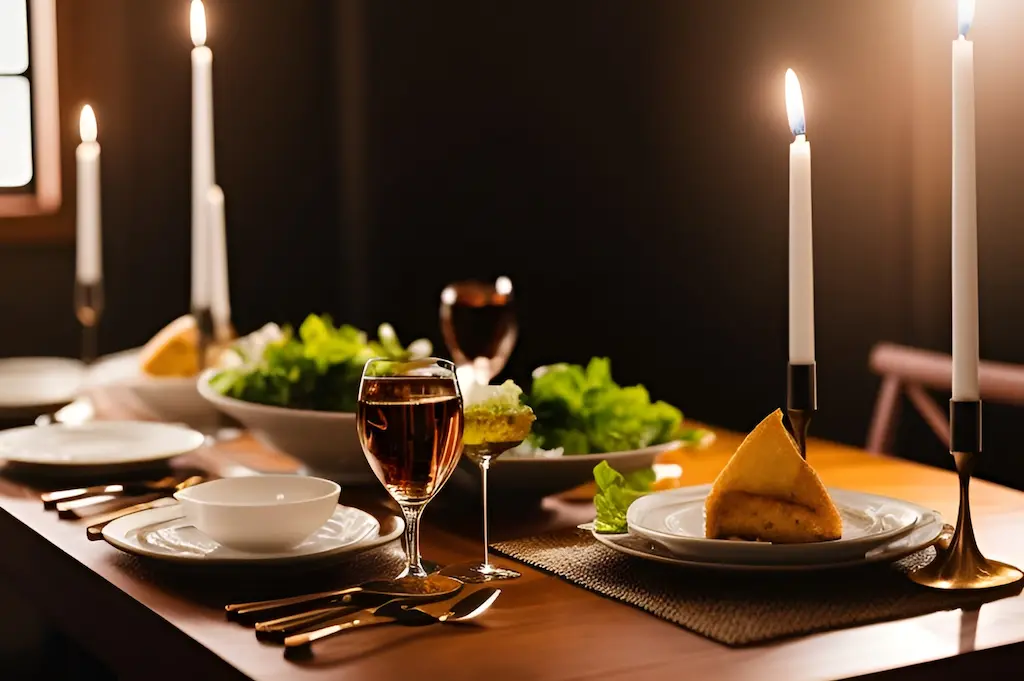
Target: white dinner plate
x=30 y=386
x=926 y=533
x=164 y=534
x=97 y=444
x=675 y=519
x=526 y=477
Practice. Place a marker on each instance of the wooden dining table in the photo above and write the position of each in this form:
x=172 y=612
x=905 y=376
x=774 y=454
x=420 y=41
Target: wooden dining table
x=143 y=622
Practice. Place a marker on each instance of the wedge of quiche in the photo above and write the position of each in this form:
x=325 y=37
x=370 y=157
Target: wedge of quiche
x=767 y=492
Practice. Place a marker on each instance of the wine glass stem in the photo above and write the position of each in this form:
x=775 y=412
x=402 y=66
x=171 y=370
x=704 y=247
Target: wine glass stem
x=414 y=568
x=485 y=464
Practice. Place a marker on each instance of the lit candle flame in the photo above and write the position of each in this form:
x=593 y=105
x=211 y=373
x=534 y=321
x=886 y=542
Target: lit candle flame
x=795 y=104
x=197 y=21
x=87 y=124
x=503 y=286
x=965 y=16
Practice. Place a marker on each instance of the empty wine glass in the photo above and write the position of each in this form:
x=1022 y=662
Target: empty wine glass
x=410 y=423
x=478 y=320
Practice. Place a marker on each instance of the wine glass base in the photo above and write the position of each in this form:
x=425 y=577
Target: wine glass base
x=478 y=573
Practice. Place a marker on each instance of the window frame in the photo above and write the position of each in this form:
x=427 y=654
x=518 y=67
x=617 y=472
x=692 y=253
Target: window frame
x=45 y=195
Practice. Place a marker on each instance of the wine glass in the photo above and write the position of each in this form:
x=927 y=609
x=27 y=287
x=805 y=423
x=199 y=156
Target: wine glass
x=478 y=321
x=482 y=454
x=410 y=424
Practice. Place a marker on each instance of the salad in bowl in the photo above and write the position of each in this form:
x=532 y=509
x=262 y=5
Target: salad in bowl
x=298 y=392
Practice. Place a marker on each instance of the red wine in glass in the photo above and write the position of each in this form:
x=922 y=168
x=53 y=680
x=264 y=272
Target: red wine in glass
x=478 y=321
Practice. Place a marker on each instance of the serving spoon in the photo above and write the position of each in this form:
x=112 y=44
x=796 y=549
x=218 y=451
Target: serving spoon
x=452 y=610
x=432 y=587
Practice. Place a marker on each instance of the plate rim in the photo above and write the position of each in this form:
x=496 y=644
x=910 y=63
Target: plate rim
x=935 y=520
x=68 y=362
x=364 y=544
x=586 y=458
x=765 y=547
x=198 y=439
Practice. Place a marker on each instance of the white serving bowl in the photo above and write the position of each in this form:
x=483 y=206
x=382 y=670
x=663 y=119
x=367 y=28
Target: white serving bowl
x=326 y=442
x=116 y=382
x=260 y=513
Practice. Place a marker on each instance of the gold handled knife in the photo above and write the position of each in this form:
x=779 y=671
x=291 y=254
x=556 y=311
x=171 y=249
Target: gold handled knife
x=51 y=499
x=95 y=529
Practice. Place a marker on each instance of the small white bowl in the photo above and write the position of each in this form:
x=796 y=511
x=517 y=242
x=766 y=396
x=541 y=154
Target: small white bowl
x=260 y=513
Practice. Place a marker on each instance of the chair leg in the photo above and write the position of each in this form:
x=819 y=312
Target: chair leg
x=933 y=415
x=883 y=422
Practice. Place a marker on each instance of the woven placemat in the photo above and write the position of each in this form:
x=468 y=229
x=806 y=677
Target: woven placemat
x=740 y=609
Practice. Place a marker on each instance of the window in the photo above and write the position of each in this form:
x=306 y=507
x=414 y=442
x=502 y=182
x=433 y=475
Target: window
x=29 y=120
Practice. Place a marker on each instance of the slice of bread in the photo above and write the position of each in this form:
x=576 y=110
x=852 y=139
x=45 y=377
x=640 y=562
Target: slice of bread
x=767 y=492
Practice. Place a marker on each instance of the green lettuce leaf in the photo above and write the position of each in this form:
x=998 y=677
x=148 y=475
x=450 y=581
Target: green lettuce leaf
x=615 y=492
x=317 y=368
x=584 y=411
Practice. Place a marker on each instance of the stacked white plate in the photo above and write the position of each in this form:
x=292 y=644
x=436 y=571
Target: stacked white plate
x=163 y=534
x=668 y=527
x=97 y=447
x=30 y=386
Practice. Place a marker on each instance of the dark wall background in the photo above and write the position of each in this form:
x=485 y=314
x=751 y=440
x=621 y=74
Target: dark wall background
x=624 y=163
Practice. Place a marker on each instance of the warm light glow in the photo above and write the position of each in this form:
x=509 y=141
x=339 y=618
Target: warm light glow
x=197 y=19
x=503 y=286
x=795 y=104
x=87 y=124
x=965 y=15
x=448 y=295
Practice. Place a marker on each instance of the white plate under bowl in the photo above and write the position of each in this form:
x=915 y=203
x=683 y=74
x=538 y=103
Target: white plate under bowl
x=30 y=386
x=97 y=444
x=164 y=534
x=923 y=535
x=326 y=442
x=538 y=477
x=675 y=519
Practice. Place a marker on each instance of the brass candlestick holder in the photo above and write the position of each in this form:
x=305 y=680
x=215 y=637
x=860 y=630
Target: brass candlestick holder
x=204 y=324
x=962 y=565
x=89 y=309
x=801 y=401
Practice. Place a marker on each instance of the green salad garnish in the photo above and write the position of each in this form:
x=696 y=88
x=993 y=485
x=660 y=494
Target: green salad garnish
x=615 y=492
x=585 y=412
x=495 y=413
x=317 y=368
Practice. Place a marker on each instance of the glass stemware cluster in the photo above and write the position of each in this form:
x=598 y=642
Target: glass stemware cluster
x=411 y=414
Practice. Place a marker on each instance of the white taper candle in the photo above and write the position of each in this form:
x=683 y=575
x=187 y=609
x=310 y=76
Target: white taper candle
x=801 y=260
x=965 y=216
x=88 y=239
x=220 y=306
x=202 y=155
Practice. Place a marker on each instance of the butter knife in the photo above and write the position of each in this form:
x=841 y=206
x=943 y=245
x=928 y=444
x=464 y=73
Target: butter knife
x=94 y=531
x=74 y=508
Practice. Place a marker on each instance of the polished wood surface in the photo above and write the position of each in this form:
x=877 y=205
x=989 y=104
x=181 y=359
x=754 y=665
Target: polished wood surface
x=149 y=623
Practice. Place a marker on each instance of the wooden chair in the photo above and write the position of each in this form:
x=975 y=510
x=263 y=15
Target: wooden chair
x=914 y=372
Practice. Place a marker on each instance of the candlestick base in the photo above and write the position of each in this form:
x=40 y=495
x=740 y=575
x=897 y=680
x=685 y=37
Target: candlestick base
x=204 y=324
x=801 y=402
x=961 y=565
